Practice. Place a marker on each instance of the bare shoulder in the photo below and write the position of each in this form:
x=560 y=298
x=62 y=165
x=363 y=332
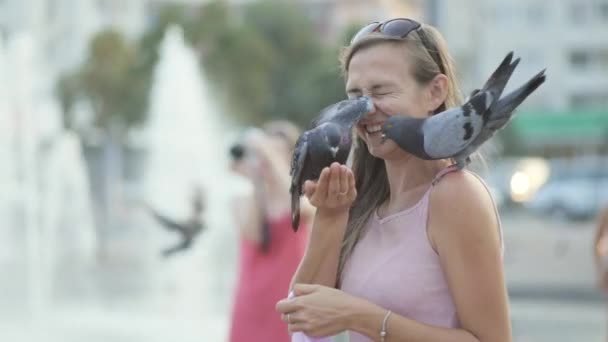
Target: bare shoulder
x=463 y=230
x=461 y=207
x=462 y=188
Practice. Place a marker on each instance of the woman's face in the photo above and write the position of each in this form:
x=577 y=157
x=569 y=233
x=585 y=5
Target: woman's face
x=384 y=73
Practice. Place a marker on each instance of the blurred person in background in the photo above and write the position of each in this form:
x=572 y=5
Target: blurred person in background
x=401 y=249
x=601 y=250
x=269 y=249
x=188 y=229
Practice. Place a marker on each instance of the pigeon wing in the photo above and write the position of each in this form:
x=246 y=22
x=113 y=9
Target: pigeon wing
x=448 y=133
x=299 y=167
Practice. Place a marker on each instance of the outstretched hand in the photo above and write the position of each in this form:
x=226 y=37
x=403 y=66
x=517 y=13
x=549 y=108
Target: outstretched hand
x=335 y=189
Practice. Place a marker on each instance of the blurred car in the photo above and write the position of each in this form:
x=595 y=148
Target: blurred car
x=572 y=198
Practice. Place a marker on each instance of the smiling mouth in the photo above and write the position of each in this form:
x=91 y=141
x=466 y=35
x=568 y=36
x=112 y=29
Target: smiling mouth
x=372 y=129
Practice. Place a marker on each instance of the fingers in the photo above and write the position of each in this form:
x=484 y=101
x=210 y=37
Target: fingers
x=303 y=289
x=344 y=180
x=297 y=327
x=334 y=189
x=286 y=306
x=334 y=180
x=294 y=322
x=291 y=318
x=309 y=189
x=352 y=189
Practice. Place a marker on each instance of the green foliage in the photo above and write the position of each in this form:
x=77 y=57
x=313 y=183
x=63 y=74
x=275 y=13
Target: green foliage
x=106 y=79
x=109 y=80
x=305 y=76
x=263 y=60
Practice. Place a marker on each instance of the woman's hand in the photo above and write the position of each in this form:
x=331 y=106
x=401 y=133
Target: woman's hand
x=318 y=310
x=335 y=190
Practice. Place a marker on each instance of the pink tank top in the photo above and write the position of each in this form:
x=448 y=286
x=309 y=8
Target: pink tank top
x=395 y=266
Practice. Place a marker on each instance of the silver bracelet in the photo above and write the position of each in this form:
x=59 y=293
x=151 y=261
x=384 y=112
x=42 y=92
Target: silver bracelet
x=383 y=329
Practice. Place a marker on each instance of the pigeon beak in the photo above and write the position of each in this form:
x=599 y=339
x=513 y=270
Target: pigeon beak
x=369 y=105
x=383 y=138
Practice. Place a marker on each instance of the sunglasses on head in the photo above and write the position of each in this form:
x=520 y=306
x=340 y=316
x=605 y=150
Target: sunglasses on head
x=400 y=28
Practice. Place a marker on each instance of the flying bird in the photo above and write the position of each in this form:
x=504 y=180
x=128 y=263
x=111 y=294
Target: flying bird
x=458 y=132
x=329 y=141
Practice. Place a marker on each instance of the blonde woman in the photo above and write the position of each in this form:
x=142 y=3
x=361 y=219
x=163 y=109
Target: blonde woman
x=401 y=249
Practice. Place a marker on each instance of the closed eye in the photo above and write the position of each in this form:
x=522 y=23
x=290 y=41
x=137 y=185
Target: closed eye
x=379 y=95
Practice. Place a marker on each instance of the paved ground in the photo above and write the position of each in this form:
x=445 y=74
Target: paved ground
x=548 y=265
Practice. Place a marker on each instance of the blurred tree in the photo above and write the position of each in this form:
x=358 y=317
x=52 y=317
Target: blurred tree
x=304 y=77
x=236 y=59
x=108 y=80
x=264 y=60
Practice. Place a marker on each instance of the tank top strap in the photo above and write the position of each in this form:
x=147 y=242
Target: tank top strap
x=443 y=172
x=438 y=176
x=452 y=168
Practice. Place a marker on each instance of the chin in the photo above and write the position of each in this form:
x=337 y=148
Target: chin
x=382 y=150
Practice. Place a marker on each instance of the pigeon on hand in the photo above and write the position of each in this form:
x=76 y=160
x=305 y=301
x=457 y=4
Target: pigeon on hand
x=458 y=132
x=329 y=141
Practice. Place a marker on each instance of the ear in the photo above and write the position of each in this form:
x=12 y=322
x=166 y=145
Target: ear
x=438 y=92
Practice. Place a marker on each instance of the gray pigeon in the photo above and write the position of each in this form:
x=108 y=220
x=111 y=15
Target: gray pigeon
x=458 y=132
x=329 y=141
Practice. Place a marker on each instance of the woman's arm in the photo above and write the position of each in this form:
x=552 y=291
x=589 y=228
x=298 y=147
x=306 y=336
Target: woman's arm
x=464 y=230
x=320 y=262
x=321 y=311
x=367 y=320
x=600 y=233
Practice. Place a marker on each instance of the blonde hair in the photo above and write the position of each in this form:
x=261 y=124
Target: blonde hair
x=372 y=191
x=287 y=130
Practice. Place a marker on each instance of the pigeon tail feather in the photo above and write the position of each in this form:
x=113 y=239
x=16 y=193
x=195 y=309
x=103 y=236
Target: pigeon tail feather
x=295 y=210
x=506 y=105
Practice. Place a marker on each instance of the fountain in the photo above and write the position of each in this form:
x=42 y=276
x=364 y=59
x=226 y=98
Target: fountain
x=46 y=209
x=47 y=229
x=6 y=172
x=185 y=147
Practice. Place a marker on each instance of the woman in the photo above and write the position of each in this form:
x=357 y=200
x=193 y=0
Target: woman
x=269 y=249
x=414 y=247
x=601 y=250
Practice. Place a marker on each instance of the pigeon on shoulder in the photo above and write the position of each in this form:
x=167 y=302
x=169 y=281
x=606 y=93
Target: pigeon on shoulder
x=458 y=132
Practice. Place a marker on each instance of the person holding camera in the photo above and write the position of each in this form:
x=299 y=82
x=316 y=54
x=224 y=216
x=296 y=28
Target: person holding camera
x=269 y=250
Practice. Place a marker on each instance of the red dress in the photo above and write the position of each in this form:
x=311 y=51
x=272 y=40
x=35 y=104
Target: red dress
x=264 y=280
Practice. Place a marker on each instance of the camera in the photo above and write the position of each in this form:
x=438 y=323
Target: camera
x=237 y=151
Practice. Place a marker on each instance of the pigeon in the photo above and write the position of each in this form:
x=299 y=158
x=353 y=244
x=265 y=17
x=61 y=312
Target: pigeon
x=329 y=141
x=458 y=132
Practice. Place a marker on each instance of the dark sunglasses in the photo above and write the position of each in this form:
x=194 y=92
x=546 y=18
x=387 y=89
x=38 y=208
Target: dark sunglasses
x=400 y=27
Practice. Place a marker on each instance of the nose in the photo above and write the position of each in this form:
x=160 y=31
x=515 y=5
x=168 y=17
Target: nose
x=372 y=110
x=370 y=107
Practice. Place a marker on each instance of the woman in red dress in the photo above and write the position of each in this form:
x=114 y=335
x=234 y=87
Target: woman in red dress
x=269 y=249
